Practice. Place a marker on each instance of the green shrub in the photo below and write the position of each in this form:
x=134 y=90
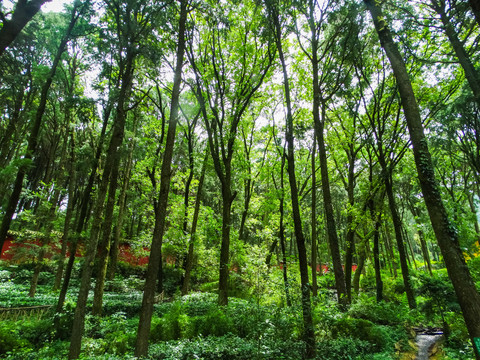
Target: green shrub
x=126 y=270
x=56 y=350
x=384 y=313
x=376 y=335
x=326 y=281
x=37 y=332
x=228 y=347
x=171 y=325
x=129 y=304
x=456 y=333
x=439 y=293
x=11 y=338
x=345 y=348
x=65 y=320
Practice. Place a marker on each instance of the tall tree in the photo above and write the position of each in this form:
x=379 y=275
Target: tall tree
x=447 y=238
x=141 y=345
x=229 y=68
x=329 y=74
x=132 y=21
x=309 y=334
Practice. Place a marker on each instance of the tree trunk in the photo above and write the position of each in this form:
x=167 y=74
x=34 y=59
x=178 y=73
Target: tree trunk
x=319 y=124
x=447 y=238
x=227 y=199
x=329 y=213
x=397 y=225
x=110 y=163
x=426 y=256
x=189 y=259
x=376 y=252
x=314 y=221
x=122 y=203
x=81 y=218
x=350 y=238
x=69 y=214
x=23 y=13
x=389 y=246
x=358 y=272
x=141 y=346
x=103 y=248
x=309 y=334
x=475 y=5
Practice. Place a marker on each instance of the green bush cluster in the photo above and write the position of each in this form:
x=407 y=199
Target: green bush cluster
x=227 y=347
x=384 y=313
x=198 y=315
x=24 y=335
x=378 y=336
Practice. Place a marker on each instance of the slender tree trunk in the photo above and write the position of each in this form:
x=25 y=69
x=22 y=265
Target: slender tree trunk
x=69 y=214
x=122 y=203
x=319 y=124
x=281 y=232
x=314 y=221
x=409 y=243
x=350 y=238
x=309 y=334
x=103 y=248
x=397 y=225
x=81 y=218
x=141 y=346
x=246 y=205
x=6 y=140
x=358 y=272
x=376 y=251
x=426 y=256
x=110 y=163
x=389 y=246
x=447 y=238
x=329 y=213
x=227 y=199
x=193 y=231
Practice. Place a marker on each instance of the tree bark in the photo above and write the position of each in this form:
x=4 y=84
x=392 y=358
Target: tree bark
x=110 y=163
x=141 y=345
x=329 y=213
x=193 y=230
x=447 y=238
x=314 y=221
x=23 y=13
x=397 y=226
x=103 y=248
x=350 y=238
x=376 y=250
x=122 y=203
x=475 y=5
x=309 y=334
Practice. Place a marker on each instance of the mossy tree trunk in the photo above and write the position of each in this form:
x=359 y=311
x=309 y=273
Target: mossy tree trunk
x=447 y=237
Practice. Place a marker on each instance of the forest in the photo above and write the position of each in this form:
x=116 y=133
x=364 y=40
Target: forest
x=240 y=179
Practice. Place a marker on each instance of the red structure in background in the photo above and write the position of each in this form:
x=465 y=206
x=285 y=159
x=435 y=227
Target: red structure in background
x=125 y=253
x=324 y=269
